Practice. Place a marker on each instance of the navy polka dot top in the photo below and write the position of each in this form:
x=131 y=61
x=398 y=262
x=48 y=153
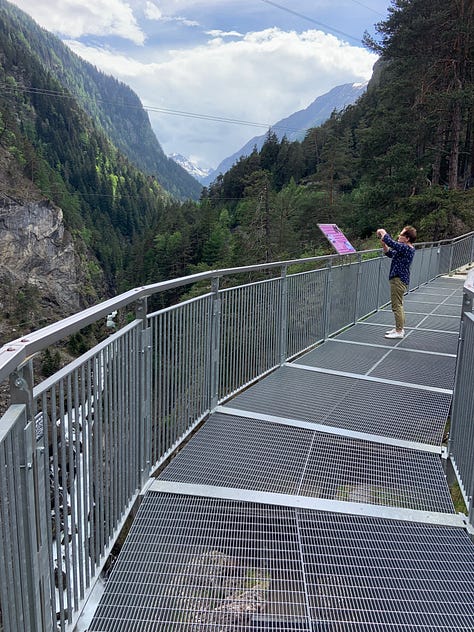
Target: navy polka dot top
x=401 y=256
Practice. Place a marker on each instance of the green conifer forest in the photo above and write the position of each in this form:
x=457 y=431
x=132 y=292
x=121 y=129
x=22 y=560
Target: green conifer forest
x=404 y=153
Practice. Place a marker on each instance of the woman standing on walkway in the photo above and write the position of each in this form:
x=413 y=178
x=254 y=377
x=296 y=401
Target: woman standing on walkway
x=401 y=253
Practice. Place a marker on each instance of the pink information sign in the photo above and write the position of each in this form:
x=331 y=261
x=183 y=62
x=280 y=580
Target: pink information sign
x=337 y=238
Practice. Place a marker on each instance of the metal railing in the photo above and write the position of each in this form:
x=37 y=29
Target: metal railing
x=461 y=439
x=77 y=449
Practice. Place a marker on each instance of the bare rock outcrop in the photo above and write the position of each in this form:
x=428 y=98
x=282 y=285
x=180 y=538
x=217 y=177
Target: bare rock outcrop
x=36 y=250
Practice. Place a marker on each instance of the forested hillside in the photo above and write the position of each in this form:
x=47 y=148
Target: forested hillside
x=49 y=140
x=114 y=107
x=404 y=153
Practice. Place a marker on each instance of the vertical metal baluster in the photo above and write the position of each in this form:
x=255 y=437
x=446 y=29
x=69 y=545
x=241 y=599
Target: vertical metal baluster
x=284 y=308
x=99 y=456
x=72 y=545
x=63 y=478
x=83 y=476
x=78 y=533
x=168 y=381
x=215 y=344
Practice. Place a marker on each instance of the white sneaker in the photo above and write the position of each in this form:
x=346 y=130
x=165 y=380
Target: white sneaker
x=390 y=331
x=395 y=334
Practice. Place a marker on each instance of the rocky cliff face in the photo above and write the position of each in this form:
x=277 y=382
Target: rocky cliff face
x=38 y=262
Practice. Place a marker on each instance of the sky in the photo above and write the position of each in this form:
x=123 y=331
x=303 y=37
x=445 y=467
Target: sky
x=212 y=75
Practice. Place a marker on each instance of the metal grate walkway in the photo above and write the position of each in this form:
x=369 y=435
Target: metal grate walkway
x=314 y=500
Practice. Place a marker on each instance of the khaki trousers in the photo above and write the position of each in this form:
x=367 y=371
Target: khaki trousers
x=397 y=291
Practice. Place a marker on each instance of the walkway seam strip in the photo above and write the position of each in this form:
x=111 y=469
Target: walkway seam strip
x=306 y=502
x=340 y=432
x=380 y=346
x=369 y=378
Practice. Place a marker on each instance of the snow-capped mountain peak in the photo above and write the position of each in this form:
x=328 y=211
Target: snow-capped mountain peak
x=195 y=170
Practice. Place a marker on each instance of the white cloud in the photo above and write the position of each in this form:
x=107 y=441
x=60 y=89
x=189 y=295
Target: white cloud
x=75 y=19
x=183 y=21
x=218 y=33
x=153 y=12
x=262 y=77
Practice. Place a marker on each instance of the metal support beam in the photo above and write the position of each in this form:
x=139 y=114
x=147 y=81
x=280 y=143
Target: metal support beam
x=368 y=378
x=316 y=504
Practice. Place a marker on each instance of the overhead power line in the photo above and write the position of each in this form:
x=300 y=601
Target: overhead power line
x=306 y=17
x=208 y=117
x=368 y=8
x=222 y=119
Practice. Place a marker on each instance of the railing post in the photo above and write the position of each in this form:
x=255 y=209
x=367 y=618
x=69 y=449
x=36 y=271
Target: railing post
x=33 y=590
x=21 y=388
x=430 y=266
x=215 y=344
x=451 y=256
x=327 y=300
x=144 y=392
x=379 y=282
x=284 y=315
x=358 y=284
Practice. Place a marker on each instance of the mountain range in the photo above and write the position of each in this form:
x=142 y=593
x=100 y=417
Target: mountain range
x=117 y=110
x=113 y=106
x=294 y=126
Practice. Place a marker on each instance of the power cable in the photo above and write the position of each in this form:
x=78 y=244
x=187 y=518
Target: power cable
x=208 y=117
x=368 y=8
x=305 y=17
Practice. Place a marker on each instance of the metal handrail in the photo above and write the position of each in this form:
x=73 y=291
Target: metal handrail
x=16 y=352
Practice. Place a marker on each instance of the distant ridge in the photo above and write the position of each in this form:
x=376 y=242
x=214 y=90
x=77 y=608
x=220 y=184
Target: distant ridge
x=294 y=126
x=113 y=106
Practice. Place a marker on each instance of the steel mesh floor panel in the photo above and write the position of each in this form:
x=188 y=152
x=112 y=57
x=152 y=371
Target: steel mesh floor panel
x=376 y=408
x=433 y=290
x=337 y=356
x=390 y=364
x=366 y=574
x=350 y=403
x=417 y=307
x=385 y=317
x=207 y=565
x=441 y=323
x=230 y=451
x=245 y=453
x=422 y=296
x=438 y=342
x=294 y=393
x=346 y=469
x=417 y=368
x=366 y=333
x=449 y=282
x=448 y=310
x=454 y=302
x=228 y=566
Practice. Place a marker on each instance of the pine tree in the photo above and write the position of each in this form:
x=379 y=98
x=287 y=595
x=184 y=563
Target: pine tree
x=429 y=45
